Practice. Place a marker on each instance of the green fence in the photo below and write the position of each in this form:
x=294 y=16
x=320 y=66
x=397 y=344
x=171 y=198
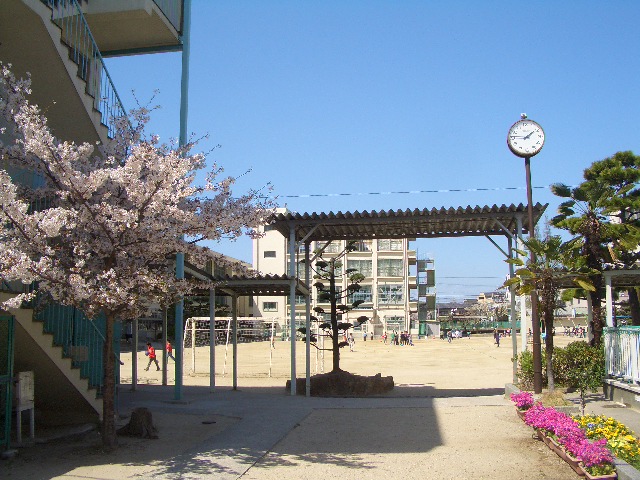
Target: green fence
x=6 y=378
x=483 y=325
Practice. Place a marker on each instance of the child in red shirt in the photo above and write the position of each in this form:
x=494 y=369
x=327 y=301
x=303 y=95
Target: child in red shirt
x=151 y=353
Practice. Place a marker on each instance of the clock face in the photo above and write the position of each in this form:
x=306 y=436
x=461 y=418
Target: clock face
x=525 y=138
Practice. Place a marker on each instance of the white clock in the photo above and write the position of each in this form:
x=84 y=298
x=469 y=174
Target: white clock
x=525 y=138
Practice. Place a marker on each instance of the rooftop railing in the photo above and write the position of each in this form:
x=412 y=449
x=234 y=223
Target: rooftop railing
x=84 y=52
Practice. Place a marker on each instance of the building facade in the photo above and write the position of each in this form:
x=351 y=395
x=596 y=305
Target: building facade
x=398 y=291
x=61 y=45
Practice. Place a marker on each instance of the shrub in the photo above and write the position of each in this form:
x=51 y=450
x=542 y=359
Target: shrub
x=525 y=370
x=583 y=368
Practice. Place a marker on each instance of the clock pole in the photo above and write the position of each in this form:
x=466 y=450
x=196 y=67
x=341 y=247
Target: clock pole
x=525 y=139
x=535 y=321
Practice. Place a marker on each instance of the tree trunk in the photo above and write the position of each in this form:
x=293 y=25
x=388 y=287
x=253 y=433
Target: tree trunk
x=109 y=439
x=634 y=306
x=548 y=345
x=596 y=306
x=334 y=319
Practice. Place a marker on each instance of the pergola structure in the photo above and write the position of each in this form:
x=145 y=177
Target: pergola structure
x=234 y=286
x=510 y=221
x=240 y=286
x=617 y=277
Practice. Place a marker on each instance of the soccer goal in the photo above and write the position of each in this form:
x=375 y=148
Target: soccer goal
x=197 y=333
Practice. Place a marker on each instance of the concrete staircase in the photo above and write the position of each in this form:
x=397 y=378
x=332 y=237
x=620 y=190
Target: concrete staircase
x=58 y=383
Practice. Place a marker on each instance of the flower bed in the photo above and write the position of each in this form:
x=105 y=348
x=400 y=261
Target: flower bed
x=594 y=457
x=620 y=440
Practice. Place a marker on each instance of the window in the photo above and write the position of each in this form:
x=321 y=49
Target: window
x=301 y=300
x=390 y=267
x=390 y=245
x=363 y=245
x=301 y=269
x=365 y=294
x=390 y=294
x=219 y=271
x=394 y=322
x=362 y=266
x=269 y=254
x=333 y=247
x=269 y=306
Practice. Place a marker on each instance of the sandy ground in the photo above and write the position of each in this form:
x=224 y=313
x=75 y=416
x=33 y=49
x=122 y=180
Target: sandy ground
x=446 y=418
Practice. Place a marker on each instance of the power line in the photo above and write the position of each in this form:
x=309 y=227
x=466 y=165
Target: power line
x=405 y=192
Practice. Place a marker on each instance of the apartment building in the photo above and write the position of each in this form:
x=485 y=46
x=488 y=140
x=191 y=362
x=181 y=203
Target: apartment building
x=62 y=45
x=398 y=291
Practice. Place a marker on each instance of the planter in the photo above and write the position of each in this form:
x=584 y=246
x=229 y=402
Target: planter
x=561 y=452
x=610 y=476
x=521 y=413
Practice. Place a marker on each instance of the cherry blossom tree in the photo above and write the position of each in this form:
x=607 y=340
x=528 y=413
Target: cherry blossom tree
x=101 y=229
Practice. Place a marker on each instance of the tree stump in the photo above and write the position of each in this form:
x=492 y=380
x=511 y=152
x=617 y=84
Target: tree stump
x=344 y=384
x=140 y=425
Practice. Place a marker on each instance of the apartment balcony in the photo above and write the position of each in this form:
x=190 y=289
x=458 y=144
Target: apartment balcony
x=126 y=27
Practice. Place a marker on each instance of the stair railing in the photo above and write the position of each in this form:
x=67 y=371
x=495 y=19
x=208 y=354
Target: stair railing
x=81 y=339
x=84 y=52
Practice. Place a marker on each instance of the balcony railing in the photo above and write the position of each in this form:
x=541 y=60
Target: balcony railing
x=84 y=52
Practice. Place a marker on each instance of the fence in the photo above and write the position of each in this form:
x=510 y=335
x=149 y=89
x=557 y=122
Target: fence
x=621 y=353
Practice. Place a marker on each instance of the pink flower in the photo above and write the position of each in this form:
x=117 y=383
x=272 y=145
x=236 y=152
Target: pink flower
x=523 y=400
x=569 y=434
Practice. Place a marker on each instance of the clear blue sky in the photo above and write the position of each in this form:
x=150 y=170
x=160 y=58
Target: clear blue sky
x=377 y=96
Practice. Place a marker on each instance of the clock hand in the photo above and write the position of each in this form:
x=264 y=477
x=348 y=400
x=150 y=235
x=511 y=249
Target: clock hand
x=530 y=133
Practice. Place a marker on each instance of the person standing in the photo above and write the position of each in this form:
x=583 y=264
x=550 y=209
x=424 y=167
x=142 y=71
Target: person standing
x=170 y=350
x=496 y=336
x=352 y=342
x=151 y=353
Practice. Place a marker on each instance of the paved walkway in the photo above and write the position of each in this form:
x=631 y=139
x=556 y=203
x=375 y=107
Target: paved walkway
x=431 y=426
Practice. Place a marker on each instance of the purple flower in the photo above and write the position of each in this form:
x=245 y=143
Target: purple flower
x=569 y=434
x=523 y=400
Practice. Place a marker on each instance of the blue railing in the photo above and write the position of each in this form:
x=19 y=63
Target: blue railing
x=6 y=378
x=622 y=353
x=84 y=52
x=81 y=339
x=172 y=9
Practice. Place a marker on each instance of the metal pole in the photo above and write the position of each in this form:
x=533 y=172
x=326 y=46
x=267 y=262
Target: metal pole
x=307 y=280
x=234 y=319
x=193 y=345
x=514 y=335
x=184 y=104
x=535 y=323
x=212 y=339
x=609 y=300
x=292 y=305
x=134 y=355
x=165 y=357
